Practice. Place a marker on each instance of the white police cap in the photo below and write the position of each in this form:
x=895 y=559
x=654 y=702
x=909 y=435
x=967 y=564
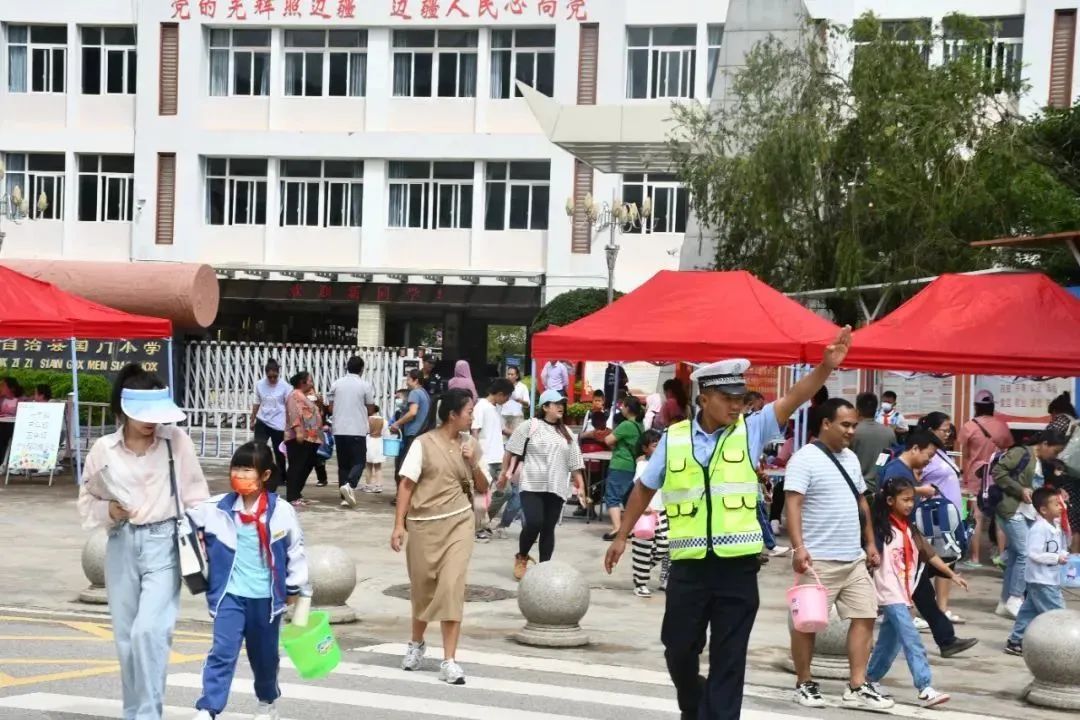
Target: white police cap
x=727 y=376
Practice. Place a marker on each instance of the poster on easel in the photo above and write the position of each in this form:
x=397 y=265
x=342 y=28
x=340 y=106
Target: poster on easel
x=35 y=444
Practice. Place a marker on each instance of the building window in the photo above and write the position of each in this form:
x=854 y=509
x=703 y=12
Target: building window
x=108 y=60
x=430 y=195
x=40 y=177
x=517 y=195
x=716 y=39
x=435 y=63
x=235 y=191
x=660 y=62
x=1000 y=58
x=239 y=62
x=525 y=55
x=106 y=188
x=326 y=63
x=670 y=201
x=318 y=193
x=37 y=58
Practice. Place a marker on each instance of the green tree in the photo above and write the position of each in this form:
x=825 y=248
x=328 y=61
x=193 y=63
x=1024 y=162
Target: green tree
x=571 y=306
x=864 y=162
x=505 y=340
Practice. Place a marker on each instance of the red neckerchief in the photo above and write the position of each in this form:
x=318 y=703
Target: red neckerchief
x=901 y=524
x=260 y=526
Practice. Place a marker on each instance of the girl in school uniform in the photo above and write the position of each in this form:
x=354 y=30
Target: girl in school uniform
x=255 y=552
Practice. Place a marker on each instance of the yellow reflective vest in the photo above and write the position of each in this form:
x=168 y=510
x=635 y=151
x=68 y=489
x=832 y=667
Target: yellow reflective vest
x=711 y=507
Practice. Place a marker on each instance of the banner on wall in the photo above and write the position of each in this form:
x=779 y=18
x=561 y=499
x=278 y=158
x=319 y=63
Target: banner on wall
x=764 y=379
x=918 y=394
x=1023 y=401
x=843 y=384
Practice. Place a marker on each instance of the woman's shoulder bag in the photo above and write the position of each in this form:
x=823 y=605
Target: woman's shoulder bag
x=194 y=568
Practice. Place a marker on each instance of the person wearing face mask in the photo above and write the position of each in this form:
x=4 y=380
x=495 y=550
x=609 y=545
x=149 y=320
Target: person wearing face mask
x=890 y=415
x=130 y=476
x=257 y=568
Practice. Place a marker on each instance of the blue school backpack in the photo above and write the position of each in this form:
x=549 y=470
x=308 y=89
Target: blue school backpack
x=941 y=523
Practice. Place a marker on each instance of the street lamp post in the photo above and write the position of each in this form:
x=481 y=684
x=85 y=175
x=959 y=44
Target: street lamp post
x=614 y=216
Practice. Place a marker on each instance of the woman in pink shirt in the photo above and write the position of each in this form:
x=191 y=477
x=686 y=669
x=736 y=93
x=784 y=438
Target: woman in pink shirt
x=978 y=440
x=130 y=478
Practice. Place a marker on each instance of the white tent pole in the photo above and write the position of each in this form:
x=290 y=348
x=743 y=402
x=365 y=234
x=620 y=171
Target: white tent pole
x=532 y=387
x=75 y=424
x=172 y=392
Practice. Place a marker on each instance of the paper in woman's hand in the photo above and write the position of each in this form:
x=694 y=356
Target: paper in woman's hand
x=117 y=490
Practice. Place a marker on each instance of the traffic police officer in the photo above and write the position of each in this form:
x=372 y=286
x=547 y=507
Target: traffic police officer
x=706 y=467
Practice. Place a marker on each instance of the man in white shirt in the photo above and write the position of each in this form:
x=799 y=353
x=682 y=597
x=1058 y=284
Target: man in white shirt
x=350 y=400
x=489 y=430
x=268 y=412
x=555 y=377
x=513 y=410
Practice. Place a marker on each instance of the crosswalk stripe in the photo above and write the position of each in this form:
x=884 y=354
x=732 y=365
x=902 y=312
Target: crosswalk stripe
x=523 y=662
x=380 y=701
x=100 y=707
x=562 y=692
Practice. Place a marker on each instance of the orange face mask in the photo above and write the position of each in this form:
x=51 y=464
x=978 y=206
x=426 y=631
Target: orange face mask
x=245 y=483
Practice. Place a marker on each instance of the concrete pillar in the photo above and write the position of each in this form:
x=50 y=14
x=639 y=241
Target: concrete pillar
x=1052 y=654
x=553 y=597
x=370 y=326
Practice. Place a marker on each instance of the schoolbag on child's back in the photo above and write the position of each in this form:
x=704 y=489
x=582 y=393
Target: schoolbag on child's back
x=989 y=492
x=941 y=523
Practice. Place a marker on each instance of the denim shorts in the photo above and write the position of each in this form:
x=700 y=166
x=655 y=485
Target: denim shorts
x=617 y=487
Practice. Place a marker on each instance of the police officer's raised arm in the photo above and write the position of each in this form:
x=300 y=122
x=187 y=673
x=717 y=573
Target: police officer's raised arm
x=803 y=390
x=652 y=479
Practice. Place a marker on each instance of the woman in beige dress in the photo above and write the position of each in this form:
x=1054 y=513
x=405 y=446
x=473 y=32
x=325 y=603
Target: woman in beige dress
x=439 y=476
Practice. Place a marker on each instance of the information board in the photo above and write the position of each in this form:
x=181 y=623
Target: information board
x=918 y=394
x=36 y=441
x=1023 y=401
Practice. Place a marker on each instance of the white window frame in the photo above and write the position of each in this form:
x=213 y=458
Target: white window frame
x=327 y=51
x=106 y=182
x=651 y=187
x=128 y=58
x=431 y=197
x=659 y=58
x=50 y=51
x=714 y=34
x=326 y=184
x=1006 y=58
x=251 y=185
x=437 y=52
x=509 y=183
x=232 y=49
x=34 y=181
x=516 y=51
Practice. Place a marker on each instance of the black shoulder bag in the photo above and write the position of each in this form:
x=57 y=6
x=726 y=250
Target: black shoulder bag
x=194 y=569
x=854 y=490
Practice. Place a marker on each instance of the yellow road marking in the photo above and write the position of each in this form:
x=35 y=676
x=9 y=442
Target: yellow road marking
x=101 y=632
x=24 y=661
x=46 y=638
x=7 y=681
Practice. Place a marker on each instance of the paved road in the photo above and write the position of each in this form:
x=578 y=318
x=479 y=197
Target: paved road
x=61 y=667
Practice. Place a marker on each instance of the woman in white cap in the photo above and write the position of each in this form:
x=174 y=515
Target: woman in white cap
x=130 y=476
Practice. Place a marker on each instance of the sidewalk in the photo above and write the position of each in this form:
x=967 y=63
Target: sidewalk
x=41 y=533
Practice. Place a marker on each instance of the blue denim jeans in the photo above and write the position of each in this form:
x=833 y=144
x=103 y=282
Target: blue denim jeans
x=1016 y=530
x=142 y=578
x=898 y=632
x=1040 y=598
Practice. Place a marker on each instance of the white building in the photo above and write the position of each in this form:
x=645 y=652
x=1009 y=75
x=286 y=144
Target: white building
x=330 y=155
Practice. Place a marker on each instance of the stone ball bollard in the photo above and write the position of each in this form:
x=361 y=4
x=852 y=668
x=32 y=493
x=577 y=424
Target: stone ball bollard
x=830 y=650
x=553 y=597
x=332 y=574
x=1052 y=654
x=93 y=565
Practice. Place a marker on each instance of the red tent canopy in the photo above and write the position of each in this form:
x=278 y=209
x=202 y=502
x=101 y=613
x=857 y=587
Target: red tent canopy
x=1007 y=324
x=693 y=316
x=31 y=308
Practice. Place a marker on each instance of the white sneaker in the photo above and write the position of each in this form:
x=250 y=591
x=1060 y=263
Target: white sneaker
x=808 y=694
x=1001 y=610
x=920 y=624
x=266 y=711
x=344 y=504
x=1012 y=606
x=931 y=697
x=779 y=551
x=881 y=690
x=203 y=715
x=451 y=673
x=866 y=697
x=500 y=533
x=642 y=591
x=775 y=525
x=954 y=618
x=348 y=495
x=414 y=656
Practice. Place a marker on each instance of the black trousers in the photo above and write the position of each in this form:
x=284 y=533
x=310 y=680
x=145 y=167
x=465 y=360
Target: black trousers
x=925 y=599
x=263 y=433
x=301 y=462
x=351 y=458
x=7 y=431
x=719 y=595
x=541 y=511
x=776 y=509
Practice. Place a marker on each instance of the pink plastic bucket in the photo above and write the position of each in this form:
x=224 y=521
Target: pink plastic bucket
x=645 y=527
x=809 y=606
